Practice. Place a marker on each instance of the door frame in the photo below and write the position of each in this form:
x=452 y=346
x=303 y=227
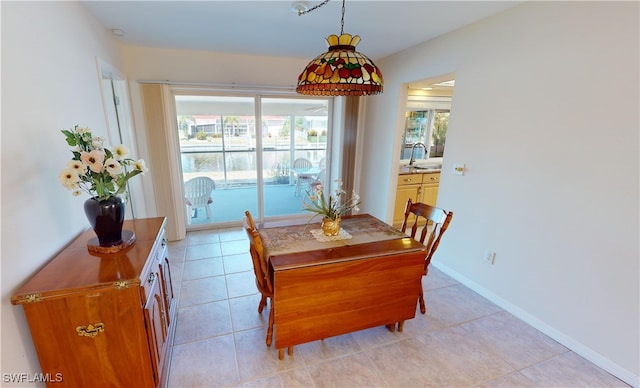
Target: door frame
x=172 y=146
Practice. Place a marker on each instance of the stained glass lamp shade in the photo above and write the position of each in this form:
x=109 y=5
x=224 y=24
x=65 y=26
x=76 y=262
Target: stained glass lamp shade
x=341 y=71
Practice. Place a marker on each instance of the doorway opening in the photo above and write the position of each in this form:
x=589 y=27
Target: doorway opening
x=422 y=150
x=427 y=119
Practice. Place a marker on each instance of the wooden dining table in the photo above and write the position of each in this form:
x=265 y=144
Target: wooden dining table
x=369 y=275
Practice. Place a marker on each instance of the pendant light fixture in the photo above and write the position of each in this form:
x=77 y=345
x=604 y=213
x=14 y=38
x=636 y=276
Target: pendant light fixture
x=341 y=71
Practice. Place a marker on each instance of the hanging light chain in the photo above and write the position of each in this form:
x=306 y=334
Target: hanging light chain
x=304 y=12
x=342 y=20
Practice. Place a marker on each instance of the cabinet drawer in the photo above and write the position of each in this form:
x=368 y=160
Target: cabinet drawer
x=159 y=247
x=431 y=179
x=158 y=252
x=147 y=284
x=409 y=179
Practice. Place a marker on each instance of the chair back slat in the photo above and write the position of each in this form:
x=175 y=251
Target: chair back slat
x=302 y=163
x=433 y=221
x=198 y=190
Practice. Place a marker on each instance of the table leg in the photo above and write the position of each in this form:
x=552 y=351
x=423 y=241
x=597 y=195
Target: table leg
x=281 y=354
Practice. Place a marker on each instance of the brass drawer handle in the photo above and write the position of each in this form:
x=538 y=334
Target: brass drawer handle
x=91 y=330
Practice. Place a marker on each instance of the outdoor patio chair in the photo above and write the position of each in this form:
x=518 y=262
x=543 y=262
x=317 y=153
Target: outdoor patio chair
x=319 y=180
x=303 y=179
x=197 y=192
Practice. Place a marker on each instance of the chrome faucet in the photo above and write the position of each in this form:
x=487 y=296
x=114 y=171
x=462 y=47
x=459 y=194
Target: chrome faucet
x=413 y=148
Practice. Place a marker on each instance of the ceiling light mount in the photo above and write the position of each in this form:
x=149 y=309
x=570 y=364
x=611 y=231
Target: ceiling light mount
x=341 y=71
x=300 y=7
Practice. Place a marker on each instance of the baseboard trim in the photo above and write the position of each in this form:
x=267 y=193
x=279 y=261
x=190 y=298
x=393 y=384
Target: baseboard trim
x=579 y=348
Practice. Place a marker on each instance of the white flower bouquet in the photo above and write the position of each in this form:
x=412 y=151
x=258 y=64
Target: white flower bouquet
x=96 y=169
x=331 y=207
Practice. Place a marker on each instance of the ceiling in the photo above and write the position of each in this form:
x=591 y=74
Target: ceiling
x=271 y=27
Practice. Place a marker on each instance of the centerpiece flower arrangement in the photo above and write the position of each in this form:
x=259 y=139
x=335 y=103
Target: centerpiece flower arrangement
x=95 y=169
x=331 y=207
x=103 y=174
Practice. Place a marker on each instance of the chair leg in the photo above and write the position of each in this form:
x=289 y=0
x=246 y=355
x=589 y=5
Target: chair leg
x=207 y=208
x=423 y=309
x=263 y=302
x=270 y=327
x=189 y=209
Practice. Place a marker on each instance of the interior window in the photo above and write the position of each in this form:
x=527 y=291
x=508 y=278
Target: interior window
x=428 y=127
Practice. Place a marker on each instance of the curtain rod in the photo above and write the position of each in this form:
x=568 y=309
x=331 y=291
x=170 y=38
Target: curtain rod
x=221 y=85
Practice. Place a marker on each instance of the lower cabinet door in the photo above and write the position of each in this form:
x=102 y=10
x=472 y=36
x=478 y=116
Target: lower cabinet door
x=93 y=339
x=430 y=194
x=403 y=193
x=156 y=322
x=167 y=288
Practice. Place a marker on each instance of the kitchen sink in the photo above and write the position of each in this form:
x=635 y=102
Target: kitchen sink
x=426 y=167
x=410 y=169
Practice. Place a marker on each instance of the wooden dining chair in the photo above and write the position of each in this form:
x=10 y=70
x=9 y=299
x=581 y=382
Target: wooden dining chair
x=433 y=222
x=264 y=281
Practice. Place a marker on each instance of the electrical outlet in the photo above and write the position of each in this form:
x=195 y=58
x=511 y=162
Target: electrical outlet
x=489 y=257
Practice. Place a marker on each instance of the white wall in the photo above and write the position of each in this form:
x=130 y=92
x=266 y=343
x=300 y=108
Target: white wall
x=146 y=63
x=49 y=83
x=202 y=67
x=545 y=117
x=189 y=66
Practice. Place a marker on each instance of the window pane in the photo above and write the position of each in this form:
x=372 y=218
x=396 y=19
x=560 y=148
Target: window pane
x=293 y=128
x=428 y=127
x=217 y=141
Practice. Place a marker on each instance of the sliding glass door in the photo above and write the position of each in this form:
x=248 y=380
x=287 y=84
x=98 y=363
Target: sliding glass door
x=294 y=151
x=238 y=153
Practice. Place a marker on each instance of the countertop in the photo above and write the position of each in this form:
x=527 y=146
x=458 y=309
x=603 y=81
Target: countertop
x=406 y=170
x=420 y=166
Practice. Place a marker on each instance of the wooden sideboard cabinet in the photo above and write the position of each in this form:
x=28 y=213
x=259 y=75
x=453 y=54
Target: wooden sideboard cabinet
x=104 y=319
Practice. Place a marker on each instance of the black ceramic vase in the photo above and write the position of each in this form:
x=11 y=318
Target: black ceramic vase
x=106 y=218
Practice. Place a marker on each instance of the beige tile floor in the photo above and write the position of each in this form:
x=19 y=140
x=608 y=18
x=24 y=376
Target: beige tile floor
x=464 y=340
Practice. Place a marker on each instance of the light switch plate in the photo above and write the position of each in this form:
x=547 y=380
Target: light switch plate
x=458 y=169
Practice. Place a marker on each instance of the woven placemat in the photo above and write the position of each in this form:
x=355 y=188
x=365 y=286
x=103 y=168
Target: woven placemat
x=320 y=236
